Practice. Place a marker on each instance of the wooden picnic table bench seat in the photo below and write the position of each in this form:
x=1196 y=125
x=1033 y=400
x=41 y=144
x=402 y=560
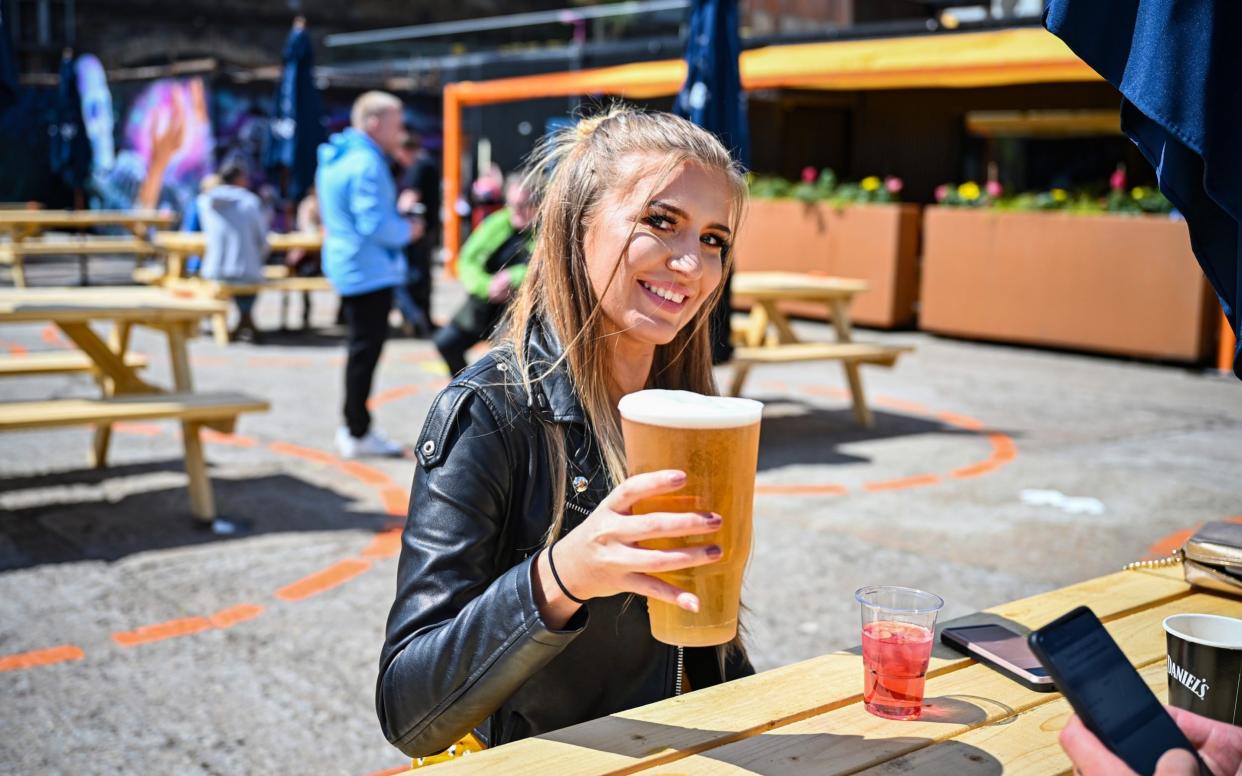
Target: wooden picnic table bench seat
x=275 y=278
x=195 y=411
x=66 y=362
x=16 y=252
x=860 y=352
x=215 y=410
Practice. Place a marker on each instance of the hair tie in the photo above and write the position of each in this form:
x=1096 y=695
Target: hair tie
x=557 y=577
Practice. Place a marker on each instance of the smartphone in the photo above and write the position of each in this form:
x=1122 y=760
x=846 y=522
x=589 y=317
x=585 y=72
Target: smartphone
x=1106 y=692
x=1002 y=649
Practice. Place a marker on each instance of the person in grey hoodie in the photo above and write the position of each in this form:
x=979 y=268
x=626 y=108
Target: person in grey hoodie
x=236 y=230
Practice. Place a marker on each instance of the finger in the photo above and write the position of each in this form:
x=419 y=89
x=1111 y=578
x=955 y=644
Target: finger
x=663 y=525
x=1177 y=762
x=1197 y=728
x=662 y=591
x=657 y=561
x=1089 y=756
x=642 y=486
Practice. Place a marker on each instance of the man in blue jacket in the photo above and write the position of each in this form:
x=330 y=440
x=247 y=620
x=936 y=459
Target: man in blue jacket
x=362 y=251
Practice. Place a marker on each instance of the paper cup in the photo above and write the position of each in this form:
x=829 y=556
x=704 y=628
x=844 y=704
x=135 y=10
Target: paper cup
x=1205 y=665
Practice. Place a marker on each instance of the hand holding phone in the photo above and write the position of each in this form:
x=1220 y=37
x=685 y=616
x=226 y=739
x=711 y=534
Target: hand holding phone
x=1109 y=696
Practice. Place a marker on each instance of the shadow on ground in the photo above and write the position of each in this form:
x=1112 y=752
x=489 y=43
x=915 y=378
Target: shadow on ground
x=87 y=525
x=795 y=432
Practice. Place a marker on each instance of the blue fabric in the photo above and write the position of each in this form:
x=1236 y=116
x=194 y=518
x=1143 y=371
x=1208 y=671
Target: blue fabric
x=712 y=96
x=1178 y=66
x=363 y=233
x=70 y=152
x=8 y=68
x=297 y=126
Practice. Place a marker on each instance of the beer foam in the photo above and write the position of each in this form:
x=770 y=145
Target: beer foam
x=684 y=409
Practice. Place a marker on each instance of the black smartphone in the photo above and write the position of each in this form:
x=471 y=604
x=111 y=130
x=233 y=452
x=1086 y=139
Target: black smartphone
x=1003 y=649
x=1106 y=692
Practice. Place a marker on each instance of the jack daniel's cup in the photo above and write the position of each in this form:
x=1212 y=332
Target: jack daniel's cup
x=1205 y=665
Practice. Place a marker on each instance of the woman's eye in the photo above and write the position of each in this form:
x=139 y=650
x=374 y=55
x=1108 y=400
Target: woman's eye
x=715 y=241
x=659 y=221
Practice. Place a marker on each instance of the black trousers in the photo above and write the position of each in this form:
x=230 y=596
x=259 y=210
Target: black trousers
x=472 y=324
x=366 y=319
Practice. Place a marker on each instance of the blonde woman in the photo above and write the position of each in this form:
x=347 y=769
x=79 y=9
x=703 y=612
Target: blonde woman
x=514 y=612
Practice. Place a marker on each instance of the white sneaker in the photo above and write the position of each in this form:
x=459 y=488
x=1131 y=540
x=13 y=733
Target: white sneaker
x=372 y=444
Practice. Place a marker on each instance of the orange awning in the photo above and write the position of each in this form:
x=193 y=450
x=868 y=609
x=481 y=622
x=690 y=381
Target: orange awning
x=972 y=59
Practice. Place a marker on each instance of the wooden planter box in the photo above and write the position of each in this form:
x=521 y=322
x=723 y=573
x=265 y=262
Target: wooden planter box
x=1126 y=285
x=875 y=243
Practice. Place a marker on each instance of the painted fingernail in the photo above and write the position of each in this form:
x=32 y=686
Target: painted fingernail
x=714 y=551
x=714 y=519
x=677 y=477
x=689 y=602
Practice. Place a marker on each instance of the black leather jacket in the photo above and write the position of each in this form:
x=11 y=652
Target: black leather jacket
x=466 y=648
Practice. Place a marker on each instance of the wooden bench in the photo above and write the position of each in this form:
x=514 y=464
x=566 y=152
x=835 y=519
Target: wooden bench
x=67 y=362
x=216 y=411
x=275 y=278
x=16 y=252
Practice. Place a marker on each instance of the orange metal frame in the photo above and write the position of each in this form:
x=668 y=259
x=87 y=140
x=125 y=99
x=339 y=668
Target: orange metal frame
x=996 y=58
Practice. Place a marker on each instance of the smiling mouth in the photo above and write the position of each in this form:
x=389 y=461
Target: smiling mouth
x=663 y=293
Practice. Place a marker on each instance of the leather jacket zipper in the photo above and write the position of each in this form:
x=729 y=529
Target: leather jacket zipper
x=680 y=667
x=681 y=658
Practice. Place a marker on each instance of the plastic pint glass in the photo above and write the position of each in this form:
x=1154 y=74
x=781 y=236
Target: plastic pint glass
x=715 y=441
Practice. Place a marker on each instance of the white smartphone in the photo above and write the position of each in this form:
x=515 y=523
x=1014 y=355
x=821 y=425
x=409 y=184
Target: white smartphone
x=1002 y=649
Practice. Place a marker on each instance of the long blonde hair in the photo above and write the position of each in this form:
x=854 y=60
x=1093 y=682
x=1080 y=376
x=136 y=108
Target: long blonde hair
x=571 y=171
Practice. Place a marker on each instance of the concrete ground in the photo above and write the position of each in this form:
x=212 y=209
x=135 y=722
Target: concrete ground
x=131 y=641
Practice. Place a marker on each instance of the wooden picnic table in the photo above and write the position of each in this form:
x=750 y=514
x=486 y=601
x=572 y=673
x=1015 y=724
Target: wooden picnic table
x=178 y=246
x=767 y=337
x=808 y=718
x=23 y=227
x=30 y=223
x=127 y=396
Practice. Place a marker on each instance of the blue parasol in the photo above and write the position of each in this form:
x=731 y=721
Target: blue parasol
x=1178 y=66
x=297 y=127
x=70 y=147
x=712 y=97
x=8 y=67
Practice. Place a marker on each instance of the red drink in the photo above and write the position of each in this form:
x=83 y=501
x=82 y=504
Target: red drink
x=895 y=658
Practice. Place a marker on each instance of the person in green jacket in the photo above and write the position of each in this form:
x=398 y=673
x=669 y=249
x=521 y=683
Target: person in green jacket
x=491 y=266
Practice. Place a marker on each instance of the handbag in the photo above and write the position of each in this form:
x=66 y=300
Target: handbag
x=1212 y=558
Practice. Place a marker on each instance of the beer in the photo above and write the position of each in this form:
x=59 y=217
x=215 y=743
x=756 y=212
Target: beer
x=715 y=441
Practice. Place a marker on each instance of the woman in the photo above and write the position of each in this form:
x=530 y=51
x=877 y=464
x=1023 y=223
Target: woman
x=513 y=614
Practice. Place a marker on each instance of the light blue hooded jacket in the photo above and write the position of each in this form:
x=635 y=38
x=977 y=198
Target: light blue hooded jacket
x=363 y=233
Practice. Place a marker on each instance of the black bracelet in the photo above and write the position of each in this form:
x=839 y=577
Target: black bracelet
x=557 y=577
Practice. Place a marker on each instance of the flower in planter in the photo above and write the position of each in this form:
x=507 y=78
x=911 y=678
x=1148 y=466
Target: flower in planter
x=870 y=183
x=808 y=174
x=994 y=189
x=1117 y=181
x=1138 y=192
x=969 y=191
x=893 y=185
x=1059 y=195
x=942 y=192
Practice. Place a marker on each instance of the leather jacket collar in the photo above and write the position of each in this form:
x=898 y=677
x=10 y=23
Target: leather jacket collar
x=552 y=389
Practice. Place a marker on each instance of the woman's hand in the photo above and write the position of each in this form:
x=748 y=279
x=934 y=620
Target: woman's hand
x=601 y=557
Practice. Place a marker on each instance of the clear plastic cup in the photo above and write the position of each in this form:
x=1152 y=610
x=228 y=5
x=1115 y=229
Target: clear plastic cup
x=898 y=626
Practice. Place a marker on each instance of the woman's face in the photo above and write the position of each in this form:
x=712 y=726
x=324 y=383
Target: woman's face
x=674 y=260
